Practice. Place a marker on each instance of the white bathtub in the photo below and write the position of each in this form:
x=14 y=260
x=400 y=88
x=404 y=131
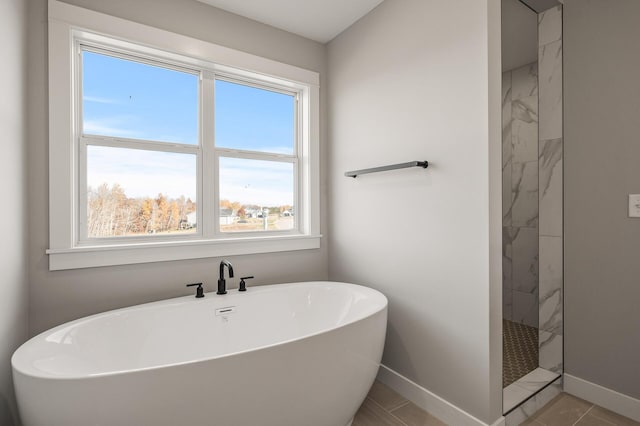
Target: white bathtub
x=299 y=354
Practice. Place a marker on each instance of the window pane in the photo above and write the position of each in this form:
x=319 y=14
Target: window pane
x=256 y=195
x=135 y=192
x=253 y=119
x=123 y=98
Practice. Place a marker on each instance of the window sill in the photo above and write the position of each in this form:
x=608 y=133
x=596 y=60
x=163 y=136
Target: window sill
x=96 y=256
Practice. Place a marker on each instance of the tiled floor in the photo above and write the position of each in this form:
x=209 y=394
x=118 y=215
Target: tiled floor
x=568 y=410
x=384 y=407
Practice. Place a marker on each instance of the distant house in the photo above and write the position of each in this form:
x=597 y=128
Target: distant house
x=226 y=216
x=252 y=211
x=263 y=213
x=191 y=220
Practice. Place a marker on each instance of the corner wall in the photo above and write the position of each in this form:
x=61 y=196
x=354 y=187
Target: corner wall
x=550 y=189
x=13 y=187
x=61 y=296
x=601 y=167
x=420 y=80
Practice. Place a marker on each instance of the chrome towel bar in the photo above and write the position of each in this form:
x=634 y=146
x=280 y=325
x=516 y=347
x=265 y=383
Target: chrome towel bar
x=356 y=173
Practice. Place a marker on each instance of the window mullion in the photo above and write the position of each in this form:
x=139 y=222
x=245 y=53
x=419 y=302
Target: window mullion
x=142 y=145
x=82 y=223
x=208 y=175
x=255 y=155
x=298 y=192
x=79 y=208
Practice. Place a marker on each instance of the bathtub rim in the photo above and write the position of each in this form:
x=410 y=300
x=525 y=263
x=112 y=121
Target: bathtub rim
x=31 y=372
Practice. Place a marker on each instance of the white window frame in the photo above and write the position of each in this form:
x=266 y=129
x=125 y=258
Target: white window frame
x=69 y=248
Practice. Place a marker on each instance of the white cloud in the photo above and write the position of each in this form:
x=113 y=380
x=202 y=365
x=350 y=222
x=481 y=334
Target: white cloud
x=266 y=183
x=114 y=126
x=143 y=173
x=99 y=100
x=148 y=173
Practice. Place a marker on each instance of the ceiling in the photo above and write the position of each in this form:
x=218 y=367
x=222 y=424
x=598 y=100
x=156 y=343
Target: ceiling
x=520 y=31
x=319 y=20
x=541 y=5
x=519 y=35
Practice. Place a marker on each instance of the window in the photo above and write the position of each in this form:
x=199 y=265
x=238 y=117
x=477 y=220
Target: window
x=159 y=154
x=138 y=147
x=255 y=139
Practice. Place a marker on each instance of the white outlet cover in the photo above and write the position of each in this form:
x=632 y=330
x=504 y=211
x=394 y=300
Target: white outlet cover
x=634 y=205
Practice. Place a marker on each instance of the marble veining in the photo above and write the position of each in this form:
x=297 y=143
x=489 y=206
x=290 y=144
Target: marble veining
x=520 y=197
x=550 y=316
x=508 y=234
x=525 y=307
x=537 y=379
x=525 y=261
x=550 y=155
x=524 y=130
x=513 y=395
x=507 y=199
x=550 y=293
x=550 y=25
x=550 y=104
x=550 y=187
x=506 y=96
x=524 y=185
x=535 y=403
x=550 y=351
x=550 y=190
x=525 y=81
x=507 y=304
x=551 y=258
x=506 y=149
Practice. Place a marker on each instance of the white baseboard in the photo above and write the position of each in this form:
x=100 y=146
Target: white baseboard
x=428 y=401
x=604 y=397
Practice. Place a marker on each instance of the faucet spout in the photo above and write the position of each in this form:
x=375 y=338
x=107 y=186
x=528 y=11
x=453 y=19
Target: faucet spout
x=228 y=265
x=222 y=284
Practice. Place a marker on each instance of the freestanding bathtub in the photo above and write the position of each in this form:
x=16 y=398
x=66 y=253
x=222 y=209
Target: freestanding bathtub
x=300 y=354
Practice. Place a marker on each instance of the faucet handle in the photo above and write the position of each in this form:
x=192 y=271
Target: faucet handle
x=243 y=285
x=199 y=290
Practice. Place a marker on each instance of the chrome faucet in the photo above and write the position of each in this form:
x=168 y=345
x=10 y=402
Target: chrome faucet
x=222 y=285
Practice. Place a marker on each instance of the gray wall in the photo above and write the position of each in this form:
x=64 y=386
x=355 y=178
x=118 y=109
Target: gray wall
x=60 y=296
x=602 y=156
x=418 y=80
x=13 y=188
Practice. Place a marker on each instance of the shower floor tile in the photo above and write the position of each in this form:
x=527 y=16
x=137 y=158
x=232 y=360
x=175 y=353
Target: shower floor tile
x=519 y=351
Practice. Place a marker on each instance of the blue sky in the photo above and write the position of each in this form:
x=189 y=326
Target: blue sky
x=129 y=99
x=253 y=119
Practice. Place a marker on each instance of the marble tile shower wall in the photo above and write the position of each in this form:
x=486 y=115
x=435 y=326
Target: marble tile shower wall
x=550 y=184
x=520 y=194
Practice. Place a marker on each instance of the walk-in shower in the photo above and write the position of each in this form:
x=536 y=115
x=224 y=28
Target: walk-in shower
x=532 y=197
